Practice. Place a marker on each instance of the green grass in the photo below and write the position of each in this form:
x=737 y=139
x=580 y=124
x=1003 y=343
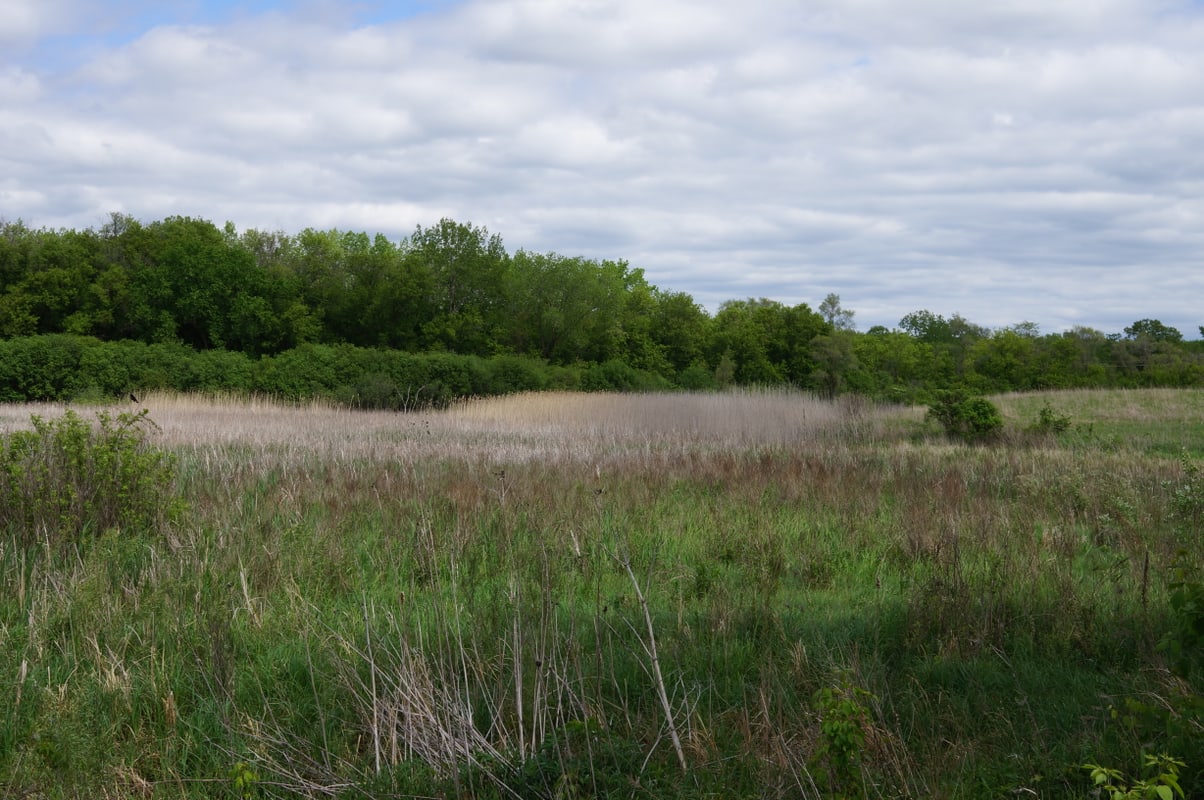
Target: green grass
x=1153 y=421
x=440 y=605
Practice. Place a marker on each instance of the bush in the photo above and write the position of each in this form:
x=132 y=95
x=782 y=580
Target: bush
x=515 y=374
x=40 y=367
x=67 y=480
x=964 y=416
x=305 y=372
x=696 y=377
x=1050 y=421
x=1184 y=643
x=619 y=376
x=220 y=371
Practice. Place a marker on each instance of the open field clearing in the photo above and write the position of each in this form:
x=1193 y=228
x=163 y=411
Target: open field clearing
x=555 y=595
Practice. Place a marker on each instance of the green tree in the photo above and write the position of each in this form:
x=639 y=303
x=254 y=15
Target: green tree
x=17 y=316
x=768 y=341
x=834 y=314
x=952 y=340
x=926 y=326
x=1153 y=330
x=1092 y=360
x=565 y=309
x=681 y=328
x=894 y=364
x=392 y=291
x=640 y=345
x=1005 y=361
x=834 y=359
x=468 y=269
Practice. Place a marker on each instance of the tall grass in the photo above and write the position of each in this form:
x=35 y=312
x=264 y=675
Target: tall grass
x=549 y=595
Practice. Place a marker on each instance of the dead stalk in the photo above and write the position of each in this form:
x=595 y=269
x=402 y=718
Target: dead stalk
x=650 y=648
x=372 y=689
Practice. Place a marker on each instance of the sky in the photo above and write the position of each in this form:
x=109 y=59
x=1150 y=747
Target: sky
x=1028 y=161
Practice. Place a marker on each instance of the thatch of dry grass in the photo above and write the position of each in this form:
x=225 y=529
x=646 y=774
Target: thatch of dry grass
x=545 y=427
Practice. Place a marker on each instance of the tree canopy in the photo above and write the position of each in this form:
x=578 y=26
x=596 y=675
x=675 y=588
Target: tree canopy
x=189 y=286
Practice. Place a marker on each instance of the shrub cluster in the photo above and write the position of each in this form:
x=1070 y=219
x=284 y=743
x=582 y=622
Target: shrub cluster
x=964 y=416
x=64 y=367
x=67 y=480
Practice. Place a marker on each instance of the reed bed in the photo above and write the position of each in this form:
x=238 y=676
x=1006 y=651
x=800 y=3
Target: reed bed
x=553 y=427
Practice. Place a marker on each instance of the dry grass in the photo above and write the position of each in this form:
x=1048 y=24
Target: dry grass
x=535 y=427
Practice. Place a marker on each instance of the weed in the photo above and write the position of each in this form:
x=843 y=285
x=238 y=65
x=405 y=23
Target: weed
x=1163 y=784
x=844 y=719
x=244 y=781
x=1187 y=496
x=1184 y=643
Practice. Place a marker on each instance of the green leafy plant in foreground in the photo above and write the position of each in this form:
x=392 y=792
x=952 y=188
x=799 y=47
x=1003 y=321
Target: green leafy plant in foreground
x=1187 y=497
x=67 y=479
x=1184 y=643
x=1162 y=785
x=844 y=717
x=243 y=780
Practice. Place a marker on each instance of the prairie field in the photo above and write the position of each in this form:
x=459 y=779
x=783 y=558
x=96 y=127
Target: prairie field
x=746 y=594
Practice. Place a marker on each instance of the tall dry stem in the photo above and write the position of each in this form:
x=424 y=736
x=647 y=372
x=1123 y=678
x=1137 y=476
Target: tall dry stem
x=650 y=648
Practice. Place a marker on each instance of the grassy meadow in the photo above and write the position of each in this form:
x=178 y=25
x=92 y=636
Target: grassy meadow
x=757 y=594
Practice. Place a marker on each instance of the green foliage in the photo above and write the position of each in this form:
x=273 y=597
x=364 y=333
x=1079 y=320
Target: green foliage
x=1187 y=497
x=1162 y=783
x=468 y=268
x=452 y=287
x=40 y=367
x=834 y=361
x=1050 y=421
x=838 y=317
x=618 y=376
x=1153 y=329
x=964 y=416
x=844 y=719
x=1170 y=723
x=244 y=781
x=768 y=342
x=67 y=480
x=1184 y=643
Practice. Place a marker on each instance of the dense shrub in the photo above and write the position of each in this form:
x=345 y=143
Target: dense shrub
x=67 y=480
x=964 y=416
x=619 y=376
x=109 y=369
x=220 y=371
x=507 y=374
x=1050 y=421
x=696 y=377
x=310 y=370
x=40 y=367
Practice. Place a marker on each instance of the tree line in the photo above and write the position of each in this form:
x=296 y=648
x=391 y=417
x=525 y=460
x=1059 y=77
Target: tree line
x=181 y=303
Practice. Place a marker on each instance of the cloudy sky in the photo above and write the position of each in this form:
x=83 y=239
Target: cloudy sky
x=1033 y=160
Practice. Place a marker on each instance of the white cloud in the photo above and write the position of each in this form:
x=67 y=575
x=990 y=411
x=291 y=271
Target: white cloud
x=1028 y=160
x=24 y=21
